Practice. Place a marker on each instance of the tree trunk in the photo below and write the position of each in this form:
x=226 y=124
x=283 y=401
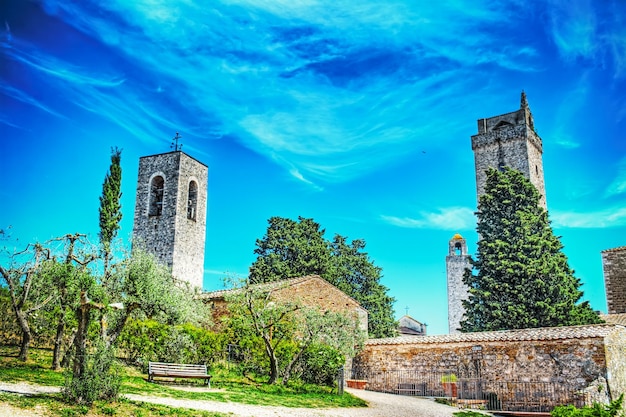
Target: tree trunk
x=83 y=313
x=58 y=341
x=68 y=352
x=292 y=363
x=26 y=334
x=273 y=361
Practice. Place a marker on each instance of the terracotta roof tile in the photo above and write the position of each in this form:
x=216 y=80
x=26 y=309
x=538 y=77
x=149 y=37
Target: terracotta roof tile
x=545 y=333
x=614 y=318
x=619 y=249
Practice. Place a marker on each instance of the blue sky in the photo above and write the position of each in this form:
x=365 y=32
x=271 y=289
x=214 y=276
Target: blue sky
x=357 y=114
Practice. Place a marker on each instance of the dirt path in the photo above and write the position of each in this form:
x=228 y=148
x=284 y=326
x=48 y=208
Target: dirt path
x=380 y=405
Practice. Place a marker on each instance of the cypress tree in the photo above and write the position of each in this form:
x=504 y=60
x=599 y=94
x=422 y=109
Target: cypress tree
x=523 y=279
x=110 y=207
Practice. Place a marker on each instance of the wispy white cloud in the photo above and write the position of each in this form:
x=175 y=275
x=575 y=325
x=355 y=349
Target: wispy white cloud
x=303 y=81
x=590 y=30
x=319 y=87
x=451 y=218
x=608 y=218
x=26 y=98
x=618 y=185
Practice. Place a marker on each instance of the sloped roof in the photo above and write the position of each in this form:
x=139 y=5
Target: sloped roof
x=275 y=285
x=621 y=248
x=614 y=318
x=545 y=333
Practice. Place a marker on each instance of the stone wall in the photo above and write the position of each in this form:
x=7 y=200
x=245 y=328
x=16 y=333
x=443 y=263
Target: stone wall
x=614 y=266
x=311 y=291
x=175 y=239
x=509 y=140
x=578 y=356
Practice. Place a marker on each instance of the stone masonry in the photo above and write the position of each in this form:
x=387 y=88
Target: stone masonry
x=614 y=266
x=170 y=212
x=509 y=140
x=456 y=263
x=310 y=291
x=587 y=358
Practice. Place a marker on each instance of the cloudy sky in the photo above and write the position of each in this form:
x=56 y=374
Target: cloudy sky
x=356 y=114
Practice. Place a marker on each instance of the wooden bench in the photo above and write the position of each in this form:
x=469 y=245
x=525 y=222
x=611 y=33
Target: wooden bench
x=177 y=370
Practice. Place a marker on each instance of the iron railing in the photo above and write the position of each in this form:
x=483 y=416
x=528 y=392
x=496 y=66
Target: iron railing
x=527 y=396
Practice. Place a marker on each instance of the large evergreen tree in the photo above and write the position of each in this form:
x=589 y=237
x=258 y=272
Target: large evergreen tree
x=110 y=207
x=296 y=248
x=523 y=279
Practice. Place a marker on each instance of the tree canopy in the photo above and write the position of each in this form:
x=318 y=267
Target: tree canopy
x=522 y=278
x=297 y=248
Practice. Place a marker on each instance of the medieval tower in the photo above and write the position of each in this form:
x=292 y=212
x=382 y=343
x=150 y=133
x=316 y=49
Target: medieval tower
x=456 y=263
x=170 y=212
x=614 y=266
x=509 y=140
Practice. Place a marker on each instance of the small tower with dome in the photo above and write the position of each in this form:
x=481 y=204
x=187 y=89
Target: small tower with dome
x=456 y=263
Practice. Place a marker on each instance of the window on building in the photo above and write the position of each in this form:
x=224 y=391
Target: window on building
x=157 y=186
x=457 y=249
x=192 y=200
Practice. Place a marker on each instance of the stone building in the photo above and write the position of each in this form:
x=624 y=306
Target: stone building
x=509 y=140
x=456 y=263
x=520 y=367
x=408 y=326
x=170 y=212
x=614 y=267
x=310 y=291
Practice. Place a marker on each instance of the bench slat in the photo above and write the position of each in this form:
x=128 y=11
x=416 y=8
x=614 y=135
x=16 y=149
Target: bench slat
x=178 y=370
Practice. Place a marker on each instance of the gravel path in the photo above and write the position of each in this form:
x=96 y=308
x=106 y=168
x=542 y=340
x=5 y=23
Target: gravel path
x=380 y=405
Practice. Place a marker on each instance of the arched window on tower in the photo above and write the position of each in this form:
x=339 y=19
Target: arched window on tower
x=192 y=200
x=458 y=249
x=157 y=186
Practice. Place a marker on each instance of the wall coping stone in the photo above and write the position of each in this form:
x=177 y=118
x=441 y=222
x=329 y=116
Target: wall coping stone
x=538 y=334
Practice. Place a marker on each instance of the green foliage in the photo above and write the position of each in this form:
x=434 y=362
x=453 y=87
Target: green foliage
x=523 y=279
x=290 y=249
x=468 y=414
x=297 y=248
x=143 y=341
x=320 y=364
x=110 y=207
x=596 y=410
x=447 y=378
x=285 y=329
x=100 y=380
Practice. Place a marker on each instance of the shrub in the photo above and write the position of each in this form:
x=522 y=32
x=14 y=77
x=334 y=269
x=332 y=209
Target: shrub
x=597 y=410
x=320 y=363
x=100 y=381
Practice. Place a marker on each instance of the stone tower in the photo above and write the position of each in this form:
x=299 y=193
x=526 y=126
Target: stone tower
x=509 y=140
x=170 y=212
x=614 y=266
x=456 y=262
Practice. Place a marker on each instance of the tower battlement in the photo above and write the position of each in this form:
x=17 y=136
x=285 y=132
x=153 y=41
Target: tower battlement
x=509 y=140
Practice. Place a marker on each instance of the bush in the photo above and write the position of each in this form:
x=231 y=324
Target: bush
x=100 y=381
x=149 y=340
x=320 y=363
x=597 y=410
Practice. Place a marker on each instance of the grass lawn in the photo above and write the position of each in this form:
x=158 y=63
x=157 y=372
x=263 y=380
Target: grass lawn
x=230 y=388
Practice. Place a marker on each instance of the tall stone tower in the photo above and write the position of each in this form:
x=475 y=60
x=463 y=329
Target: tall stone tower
x=170 y=212
x=509 y=140
x=614 y=266
x=456 y=262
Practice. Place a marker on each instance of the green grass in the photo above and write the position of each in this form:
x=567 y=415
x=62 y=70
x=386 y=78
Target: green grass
x=230 y=388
